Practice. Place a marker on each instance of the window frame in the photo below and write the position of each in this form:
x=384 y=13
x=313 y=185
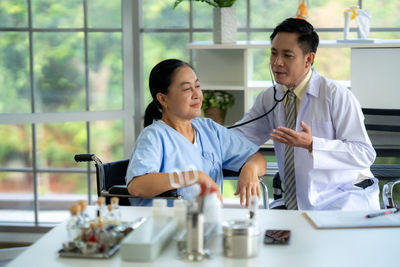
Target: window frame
x=128 y=114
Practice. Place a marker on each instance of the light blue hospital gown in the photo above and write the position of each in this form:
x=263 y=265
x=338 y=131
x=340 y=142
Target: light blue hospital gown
x=161 y=149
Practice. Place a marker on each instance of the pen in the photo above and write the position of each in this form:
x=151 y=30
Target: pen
x=386 y=212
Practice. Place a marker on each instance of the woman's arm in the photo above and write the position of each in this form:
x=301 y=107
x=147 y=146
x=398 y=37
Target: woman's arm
x=153 y=184
x=248 y=183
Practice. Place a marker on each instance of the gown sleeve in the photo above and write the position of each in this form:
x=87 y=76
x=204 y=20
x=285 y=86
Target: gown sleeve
x=235 y=149
x=146 y=156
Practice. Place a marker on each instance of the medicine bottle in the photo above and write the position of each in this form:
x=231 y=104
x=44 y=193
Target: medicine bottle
x=74 y=223
x=85 y=218
x=101 y=209
x=160 y=207
x=116 y=208
x=212 y=210
x=180 y=211
x=111 y=217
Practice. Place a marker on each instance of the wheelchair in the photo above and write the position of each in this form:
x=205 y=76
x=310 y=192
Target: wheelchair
x=110 y=180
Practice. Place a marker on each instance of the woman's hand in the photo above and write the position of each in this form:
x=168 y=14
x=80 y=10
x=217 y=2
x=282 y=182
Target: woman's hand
x=204 y=178
x=248 y=185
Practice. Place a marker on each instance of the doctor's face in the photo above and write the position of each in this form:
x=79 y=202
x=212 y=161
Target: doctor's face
x=184 y=98
x=288 y=62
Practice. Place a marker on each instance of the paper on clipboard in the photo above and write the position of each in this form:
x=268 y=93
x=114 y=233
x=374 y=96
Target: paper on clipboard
x=349 y=219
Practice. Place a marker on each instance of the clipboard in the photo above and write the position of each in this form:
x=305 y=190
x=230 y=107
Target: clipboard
x=350 y=219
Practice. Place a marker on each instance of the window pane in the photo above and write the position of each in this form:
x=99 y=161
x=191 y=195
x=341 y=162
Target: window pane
x=241 y=36
x=13 y=13
x=105 y=71
x=104 y=14
x=328 y=14
x=202 y=36
x=16 y=197
x=268 y=14
x=161 y=14
x=326 y=61
x=260 y=36
x=94 y=188
x=202 y=15
x=59 y=72
x=252 y=96
x=241 y=13
x=16 y=146
x=384 y=35
x=57 y=143
x=57 y=14
x=57 y=192
x=15 y=93
x=383 y=13
x=335 y=35
x=260 y=65
x=333 y=63
x=107 y=140
x=160 y=46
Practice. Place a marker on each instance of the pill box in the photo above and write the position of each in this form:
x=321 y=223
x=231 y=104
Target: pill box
x=146 y=242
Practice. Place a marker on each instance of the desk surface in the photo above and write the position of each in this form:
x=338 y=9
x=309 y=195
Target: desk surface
x=307 y=247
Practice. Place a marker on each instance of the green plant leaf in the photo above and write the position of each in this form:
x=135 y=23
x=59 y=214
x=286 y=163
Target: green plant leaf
x=217 y=99
x=214 y=3
x=177 y=2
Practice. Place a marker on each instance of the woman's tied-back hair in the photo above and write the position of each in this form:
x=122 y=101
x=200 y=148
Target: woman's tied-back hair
x=308 y=39
x=159 y=81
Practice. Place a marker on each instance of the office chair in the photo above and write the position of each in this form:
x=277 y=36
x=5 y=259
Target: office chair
x=383 y=126
x=110 y=179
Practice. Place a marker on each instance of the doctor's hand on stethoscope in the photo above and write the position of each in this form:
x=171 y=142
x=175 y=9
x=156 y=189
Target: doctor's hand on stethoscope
x=290 y=137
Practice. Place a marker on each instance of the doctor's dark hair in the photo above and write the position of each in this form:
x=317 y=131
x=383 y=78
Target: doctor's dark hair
x=159 y=81
x=308 y=39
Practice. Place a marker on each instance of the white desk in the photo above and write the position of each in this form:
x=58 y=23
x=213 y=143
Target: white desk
x=308 y=247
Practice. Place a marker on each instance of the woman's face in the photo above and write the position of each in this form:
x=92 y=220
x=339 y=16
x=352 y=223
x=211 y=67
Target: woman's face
x=184 y=98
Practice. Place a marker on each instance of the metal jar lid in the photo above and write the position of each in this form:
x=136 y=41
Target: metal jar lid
x=240 y=227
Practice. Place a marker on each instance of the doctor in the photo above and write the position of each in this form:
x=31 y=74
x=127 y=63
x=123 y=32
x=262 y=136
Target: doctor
x=325 y=154
x=176 y=142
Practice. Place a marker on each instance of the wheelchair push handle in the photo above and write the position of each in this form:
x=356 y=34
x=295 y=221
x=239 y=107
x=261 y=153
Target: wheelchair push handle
x=83 y=157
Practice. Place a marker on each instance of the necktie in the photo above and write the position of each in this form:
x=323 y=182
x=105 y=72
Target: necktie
x=290 y=179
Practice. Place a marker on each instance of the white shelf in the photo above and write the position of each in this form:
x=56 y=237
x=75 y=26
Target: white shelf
x=322 y=44
x=253 y=85
x=222 y=86
x=228 y=67
x=259 y=84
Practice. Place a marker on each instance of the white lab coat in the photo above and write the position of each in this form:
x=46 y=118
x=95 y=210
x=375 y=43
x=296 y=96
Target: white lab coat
x=342 y=151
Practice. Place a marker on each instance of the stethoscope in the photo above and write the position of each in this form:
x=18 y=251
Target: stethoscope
x=277 y=101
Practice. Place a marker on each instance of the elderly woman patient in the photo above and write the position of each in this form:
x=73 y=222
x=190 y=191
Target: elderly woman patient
x=175 y=140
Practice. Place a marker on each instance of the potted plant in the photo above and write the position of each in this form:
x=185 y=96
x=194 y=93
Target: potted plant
x=224 y=17
x=216 y=103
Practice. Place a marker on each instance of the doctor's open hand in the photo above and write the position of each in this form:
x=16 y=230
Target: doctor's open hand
x=290 y=137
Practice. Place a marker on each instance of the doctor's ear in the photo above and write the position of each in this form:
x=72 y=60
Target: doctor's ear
x=310 y=59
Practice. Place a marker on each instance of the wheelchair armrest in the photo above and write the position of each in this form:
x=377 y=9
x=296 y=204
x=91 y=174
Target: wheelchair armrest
x=387 y=194
x=229 y=173
x=122 y=190
x=119 y=190
x=169 y=194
